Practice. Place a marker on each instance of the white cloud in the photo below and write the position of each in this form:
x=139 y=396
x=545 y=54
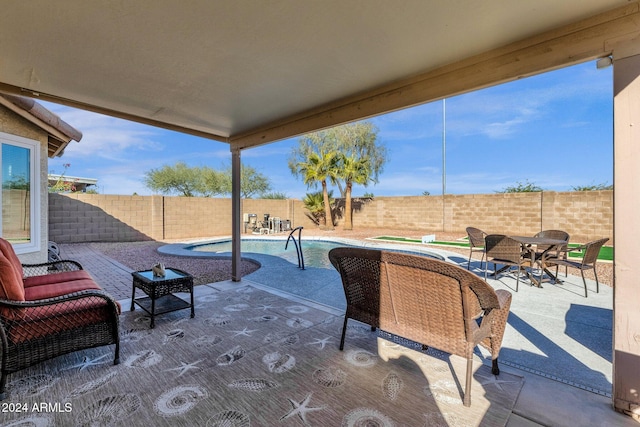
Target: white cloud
x=502 y=111
x=504 y=129
x=104 y=136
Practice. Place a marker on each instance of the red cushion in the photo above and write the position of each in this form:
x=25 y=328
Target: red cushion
x=65 y=276
x=52 y=290
x=11 y=286
x=48 y=320
x=7 y=250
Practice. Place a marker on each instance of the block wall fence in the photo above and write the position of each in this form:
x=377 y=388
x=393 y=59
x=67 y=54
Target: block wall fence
x=585 y=215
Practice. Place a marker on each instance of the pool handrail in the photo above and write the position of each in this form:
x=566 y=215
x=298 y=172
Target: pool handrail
x=298 y=247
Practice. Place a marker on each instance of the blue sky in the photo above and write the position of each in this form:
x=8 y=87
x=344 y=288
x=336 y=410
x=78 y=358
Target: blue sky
x=554 y=130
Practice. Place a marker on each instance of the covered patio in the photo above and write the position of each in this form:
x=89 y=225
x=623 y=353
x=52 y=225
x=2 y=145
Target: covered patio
x=536 y=355
x=249 y=73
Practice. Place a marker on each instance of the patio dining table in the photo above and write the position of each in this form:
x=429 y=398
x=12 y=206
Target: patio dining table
x=530 y=244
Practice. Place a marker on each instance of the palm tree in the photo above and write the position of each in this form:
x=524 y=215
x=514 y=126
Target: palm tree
x=320 y=167
x=314 y=203
x=353 y=170
x=356 y=142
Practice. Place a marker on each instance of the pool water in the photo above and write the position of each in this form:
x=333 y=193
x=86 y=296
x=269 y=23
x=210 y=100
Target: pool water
x=315 y=252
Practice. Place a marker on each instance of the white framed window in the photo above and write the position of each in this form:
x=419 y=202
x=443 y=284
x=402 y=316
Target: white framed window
x=20 y=179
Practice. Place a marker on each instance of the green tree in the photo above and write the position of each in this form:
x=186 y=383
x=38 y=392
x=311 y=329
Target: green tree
x=520 y=187
x=252 y=182
x=357 y=142
x=204 y=181
x=318 y=167
x=360 y=142
x=179 y=179
x=593 y=187
x=276 y=195
x=214 y=182
x=353 y=171
x=314 y=203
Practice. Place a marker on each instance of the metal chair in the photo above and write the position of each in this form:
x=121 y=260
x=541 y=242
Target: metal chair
x=590 y=253
x=476 y=243
x=501 y=249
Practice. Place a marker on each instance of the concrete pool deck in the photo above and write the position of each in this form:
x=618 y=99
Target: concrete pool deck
x=554 y=332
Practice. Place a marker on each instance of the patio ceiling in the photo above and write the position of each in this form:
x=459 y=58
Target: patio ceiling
x=250 y=72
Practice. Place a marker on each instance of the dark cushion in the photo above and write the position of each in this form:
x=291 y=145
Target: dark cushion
x=65 y=276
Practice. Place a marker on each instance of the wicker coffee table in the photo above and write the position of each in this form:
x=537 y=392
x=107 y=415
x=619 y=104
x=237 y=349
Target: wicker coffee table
x=160 y=292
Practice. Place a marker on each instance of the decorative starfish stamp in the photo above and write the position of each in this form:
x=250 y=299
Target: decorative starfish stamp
x=321 y=342
x=185 y=367
x=87 y=361
x=245 y=332
x=300 y=409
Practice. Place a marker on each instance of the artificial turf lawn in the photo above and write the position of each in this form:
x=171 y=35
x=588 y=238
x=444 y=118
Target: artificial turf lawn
x=606 y=252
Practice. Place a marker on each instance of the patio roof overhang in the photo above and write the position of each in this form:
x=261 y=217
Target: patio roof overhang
x=249 y=73
x=60 y=133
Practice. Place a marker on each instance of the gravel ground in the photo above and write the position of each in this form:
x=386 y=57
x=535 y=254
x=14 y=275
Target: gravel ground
x=138 y=255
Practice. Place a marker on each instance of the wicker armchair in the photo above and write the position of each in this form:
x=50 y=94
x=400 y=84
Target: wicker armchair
x=504 y=250
x=590 y=253
x=428 y=301
x=476 y=243
x=50 y=309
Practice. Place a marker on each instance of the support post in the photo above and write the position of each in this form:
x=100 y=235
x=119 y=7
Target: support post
x=626 y=231
x=236 y=253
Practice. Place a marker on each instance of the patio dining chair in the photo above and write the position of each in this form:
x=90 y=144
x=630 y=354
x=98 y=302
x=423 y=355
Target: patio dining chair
x=541 y=250
x=476 y=243
x=501 y=249
x=590 y=253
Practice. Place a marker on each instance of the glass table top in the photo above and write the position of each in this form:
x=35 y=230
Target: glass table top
x=169 y=274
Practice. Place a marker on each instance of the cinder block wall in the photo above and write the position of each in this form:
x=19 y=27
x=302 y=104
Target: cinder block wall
x=90 y=217
x=506 y=213
x=196 y=217
x=410 y=212
x=589 y=214
x=81 y=217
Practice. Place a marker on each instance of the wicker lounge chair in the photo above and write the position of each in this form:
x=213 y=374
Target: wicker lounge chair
x=590 y=253
x=428 y=301
x=50 y=309
x=504 y=250
x=476 y=243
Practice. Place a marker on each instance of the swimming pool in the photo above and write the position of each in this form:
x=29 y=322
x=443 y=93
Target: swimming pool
x=314 y=251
